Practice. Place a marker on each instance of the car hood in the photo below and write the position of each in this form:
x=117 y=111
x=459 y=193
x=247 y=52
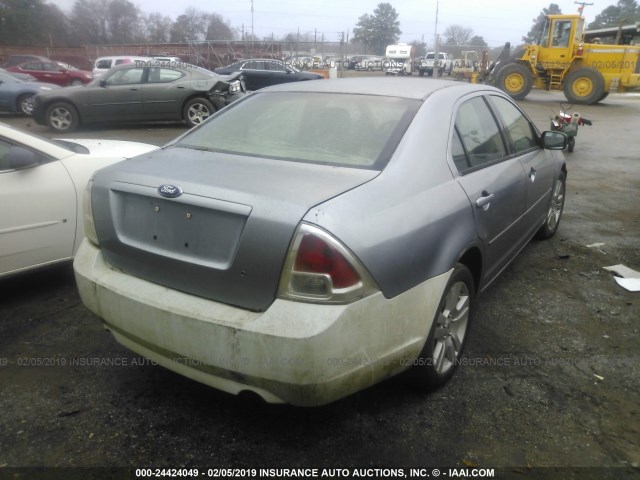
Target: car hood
x=226 y=233
x=109 y=148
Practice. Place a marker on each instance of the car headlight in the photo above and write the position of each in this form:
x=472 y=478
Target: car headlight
x=234 y=87
x=89 y=226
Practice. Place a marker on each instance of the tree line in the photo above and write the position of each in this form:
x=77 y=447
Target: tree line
x=97 y=22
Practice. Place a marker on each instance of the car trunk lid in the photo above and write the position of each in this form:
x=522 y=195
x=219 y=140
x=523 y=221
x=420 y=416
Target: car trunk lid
x=222 y=226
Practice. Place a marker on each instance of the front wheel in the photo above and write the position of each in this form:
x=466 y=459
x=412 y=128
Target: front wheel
x=515 y=80
x=76 y=83
x=556 y=206
x=441 y=352
x=196 y=111
x=62 y=117
x=25 y=104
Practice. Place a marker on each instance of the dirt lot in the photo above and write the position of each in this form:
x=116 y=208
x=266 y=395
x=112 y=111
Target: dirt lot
x=550 y=378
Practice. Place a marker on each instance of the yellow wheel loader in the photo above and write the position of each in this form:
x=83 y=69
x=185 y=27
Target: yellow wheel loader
x=585 y=72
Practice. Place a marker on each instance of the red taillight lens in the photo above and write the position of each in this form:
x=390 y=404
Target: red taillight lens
x=316 y=256
x=320 y=269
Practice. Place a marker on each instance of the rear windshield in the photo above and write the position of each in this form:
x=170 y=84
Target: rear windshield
x=359 y=131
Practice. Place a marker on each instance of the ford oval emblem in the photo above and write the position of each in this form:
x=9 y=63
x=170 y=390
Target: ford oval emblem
x=169 y=191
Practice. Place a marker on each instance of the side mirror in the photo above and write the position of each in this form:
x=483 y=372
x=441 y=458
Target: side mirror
x=19 y=157
x=103 y=83
x=554 y=140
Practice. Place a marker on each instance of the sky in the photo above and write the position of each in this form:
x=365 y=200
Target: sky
x=496 y=21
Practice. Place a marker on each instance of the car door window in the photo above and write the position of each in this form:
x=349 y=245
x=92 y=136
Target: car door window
x=127 y=76
x=103 y=64
x=277 y=67
x=479 y=133
x=520 y=131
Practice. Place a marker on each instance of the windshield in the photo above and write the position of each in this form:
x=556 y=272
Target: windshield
x=359 y=131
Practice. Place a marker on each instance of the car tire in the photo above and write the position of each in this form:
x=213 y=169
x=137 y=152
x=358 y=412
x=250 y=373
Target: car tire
x=25 y=104
x=62 y=117
x=440 y=356
x=584 y=86
x=421 y=73
x=196 y=111
x=515 y=80
x=556 y=206
x=572 y=144
x=76 y=83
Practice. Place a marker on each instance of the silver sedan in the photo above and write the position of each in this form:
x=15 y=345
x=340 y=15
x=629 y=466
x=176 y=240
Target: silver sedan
x=315 y=238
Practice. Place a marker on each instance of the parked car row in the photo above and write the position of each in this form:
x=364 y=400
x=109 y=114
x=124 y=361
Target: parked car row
x=136 y=92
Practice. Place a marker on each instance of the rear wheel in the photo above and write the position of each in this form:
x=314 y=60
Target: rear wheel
x=556 y=206
x=25 y=103
x=62 y=117
x=441 y=352
x=196 y=111
x=515 y=80
x=584 y=86
x=75 y=83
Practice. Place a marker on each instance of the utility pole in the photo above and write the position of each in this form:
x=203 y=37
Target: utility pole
x=582 y=5
x=251 y=20
x=436 y=57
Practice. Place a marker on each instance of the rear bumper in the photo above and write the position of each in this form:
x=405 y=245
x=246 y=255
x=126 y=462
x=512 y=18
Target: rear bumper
x=294 y=352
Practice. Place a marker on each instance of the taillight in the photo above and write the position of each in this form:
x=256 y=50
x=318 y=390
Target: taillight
x=320 y=269
x=87 y=215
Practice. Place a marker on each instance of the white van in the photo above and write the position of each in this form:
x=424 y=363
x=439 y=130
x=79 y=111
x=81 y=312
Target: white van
x=104 y=64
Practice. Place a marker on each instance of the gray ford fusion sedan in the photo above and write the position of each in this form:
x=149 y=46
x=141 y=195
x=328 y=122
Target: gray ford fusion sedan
x=315 y=238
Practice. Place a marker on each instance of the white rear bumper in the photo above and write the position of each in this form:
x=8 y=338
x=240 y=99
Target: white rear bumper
x=294 y=352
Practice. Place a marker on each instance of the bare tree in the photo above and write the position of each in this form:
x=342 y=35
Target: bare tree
x=218 y=28
x=90 y=21
x=190 y=26
x=158 y=28
x=124 y=22
x=457 y=35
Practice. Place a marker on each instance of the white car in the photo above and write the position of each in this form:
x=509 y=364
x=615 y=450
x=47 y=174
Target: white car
x=41 y=187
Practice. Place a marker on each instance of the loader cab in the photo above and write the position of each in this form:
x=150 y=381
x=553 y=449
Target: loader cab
x=560 y=39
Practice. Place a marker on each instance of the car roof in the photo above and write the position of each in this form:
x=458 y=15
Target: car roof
x=415 y=88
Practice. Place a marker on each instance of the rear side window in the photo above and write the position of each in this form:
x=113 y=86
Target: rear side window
x=518 y=127
x=479 y=133
x=103 y=64
x=163 y=75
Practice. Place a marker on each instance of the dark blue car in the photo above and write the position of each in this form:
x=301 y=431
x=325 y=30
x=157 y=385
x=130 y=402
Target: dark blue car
x=16 y=96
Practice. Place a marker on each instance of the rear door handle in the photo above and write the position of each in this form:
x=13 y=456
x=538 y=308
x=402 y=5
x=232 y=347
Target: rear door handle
x=484 y=201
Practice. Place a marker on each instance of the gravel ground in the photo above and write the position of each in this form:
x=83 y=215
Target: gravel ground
x=549 y=383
